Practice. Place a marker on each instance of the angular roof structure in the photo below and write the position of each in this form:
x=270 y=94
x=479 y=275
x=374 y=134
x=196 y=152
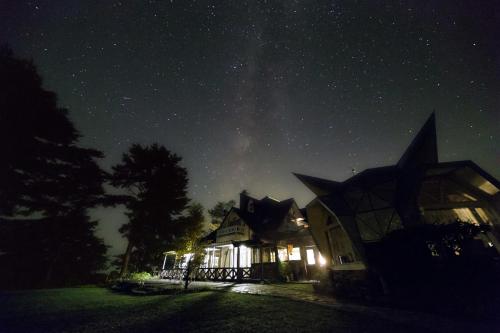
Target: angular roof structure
x=423 y=148
x=418 y=161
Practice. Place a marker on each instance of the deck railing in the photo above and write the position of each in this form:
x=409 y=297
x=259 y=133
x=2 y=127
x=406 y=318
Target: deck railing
x=173 y=274
x=214 y=274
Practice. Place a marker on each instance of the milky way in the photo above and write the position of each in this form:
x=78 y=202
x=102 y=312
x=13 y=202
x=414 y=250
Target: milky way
x=247 y=92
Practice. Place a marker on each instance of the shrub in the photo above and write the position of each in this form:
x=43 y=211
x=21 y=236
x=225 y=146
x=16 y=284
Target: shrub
x=140 y=276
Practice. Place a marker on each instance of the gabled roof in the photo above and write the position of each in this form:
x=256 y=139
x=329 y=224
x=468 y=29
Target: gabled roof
x=210 y=238
x=267 y=214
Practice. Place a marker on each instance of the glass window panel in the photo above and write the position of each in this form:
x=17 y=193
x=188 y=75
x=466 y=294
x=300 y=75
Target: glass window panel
x=445 y=216
x=465 y=215
x=310 y=257
x=368 y=227
x=483 y=215
x=283 y=254
x=295 y=254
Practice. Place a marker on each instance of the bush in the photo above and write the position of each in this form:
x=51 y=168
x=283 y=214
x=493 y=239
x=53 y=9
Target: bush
x=140 y=276
x=285 y=271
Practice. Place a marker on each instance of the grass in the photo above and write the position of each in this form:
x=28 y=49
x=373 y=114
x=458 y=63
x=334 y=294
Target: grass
x=101 y=310
x=302 y=287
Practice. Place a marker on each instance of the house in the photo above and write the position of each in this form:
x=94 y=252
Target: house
x=346 y=218
x=262 y=239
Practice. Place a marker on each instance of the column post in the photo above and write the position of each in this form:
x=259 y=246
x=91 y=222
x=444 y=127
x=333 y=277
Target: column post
x=277 y=259
x=261 y=259
x=238 y=274
x=164 y=261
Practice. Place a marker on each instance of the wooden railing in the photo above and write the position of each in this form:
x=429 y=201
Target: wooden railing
x=173 y=274
x=213 y=274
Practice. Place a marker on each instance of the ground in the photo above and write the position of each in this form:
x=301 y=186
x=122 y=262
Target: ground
x=101 y=310
x=222 y=309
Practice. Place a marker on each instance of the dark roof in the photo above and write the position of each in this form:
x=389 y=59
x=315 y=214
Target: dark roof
x=423 y=148
x=464 y=171
x=267 y=216
x=210 y=238
x=319 y=186
x=337 y=204
x=418 y=161
x=372 y=176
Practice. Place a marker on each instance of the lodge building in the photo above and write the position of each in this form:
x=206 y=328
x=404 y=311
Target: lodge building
x=340 y=226
x=264 y=239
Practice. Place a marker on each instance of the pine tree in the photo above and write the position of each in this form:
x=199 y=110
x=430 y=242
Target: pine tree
x=47 y=182
x=218 y=213
x=156 y=187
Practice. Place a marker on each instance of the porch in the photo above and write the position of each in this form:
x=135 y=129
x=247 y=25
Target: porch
x=248 y=261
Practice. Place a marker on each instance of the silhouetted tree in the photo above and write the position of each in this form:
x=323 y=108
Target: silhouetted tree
x=192 y=224
x=190 y=229
x=156 y=185
x=46 y=183
x=218 y=213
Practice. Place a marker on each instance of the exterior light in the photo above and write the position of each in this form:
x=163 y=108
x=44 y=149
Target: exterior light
x=322 y=261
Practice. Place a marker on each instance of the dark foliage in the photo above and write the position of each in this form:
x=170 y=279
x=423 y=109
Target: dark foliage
x=415 y=250
x=46 y=184
x=191 y=223
x=447 y=268
x=156 y=188
x=218 y=212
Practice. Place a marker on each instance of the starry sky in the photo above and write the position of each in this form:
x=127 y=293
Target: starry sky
x=249 y=91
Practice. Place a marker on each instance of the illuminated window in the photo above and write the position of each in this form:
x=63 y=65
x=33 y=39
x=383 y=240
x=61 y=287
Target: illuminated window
x=310 y=257
x=256 y=256
x=272 y=256
x=282 y=254
x=295 y=254
x=482 y=213
x=465 y=215
x=245 y=256
x=488 y=187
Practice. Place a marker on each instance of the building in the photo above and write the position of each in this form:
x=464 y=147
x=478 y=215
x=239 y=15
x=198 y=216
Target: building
x=347 y=217
x=262 y=239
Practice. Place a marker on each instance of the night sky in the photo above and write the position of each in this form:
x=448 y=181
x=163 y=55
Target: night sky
x=247 y=92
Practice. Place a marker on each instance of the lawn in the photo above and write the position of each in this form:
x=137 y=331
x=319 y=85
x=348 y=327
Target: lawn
x=101 y=310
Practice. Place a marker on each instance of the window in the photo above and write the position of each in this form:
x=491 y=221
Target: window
x=310 y=257
x=282 y=254
x=245 y=256
x=272 y=256
x=483 y=215
x=250 y=206
x=295 y=254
